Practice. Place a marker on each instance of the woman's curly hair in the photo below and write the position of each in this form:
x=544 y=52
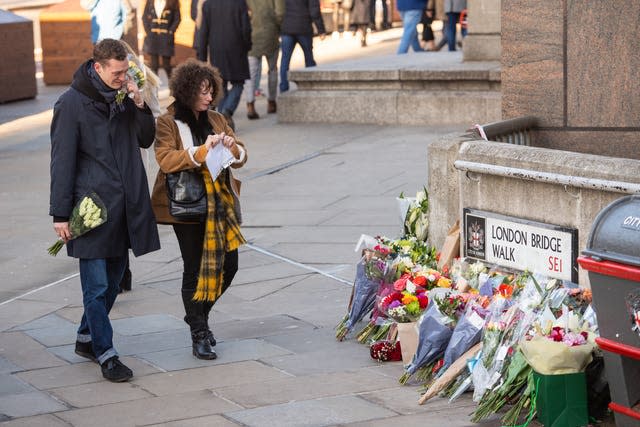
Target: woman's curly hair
x=187 y=78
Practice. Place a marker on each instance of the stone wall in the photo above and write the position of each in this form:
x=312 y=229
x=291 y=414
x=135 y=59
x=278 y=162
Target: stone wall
x=574 y=64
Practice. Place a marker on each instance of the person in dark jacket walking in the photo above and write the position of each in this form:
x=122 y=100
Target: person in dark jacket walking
x=225 y=34
x=297 y=28
x=95 y=147
x=160 y=19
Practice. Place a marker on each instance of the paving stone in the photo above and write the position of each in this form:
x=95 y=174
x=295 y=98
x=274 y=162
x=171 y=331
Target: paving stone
x=100 y=393
x=149 y=343
x=27 y=404
x=320 y=412
x=301 y=342
x=62 y=376
x=139 y=325
x=54 y=336
x=256 y=290
x=10 y=384
x=47 y=420
x=298 y=388
x=25 y=352
x=228 y=352
x=287 y=217
x=275 y=270
x=67 y=292
x=149 y=411
x=213 y=421
x=323 y=360
x=6 y=367
x=161 y=304
x=45 y=322
x=208 y=378
x=401 y=399
x=259 y=327
x=22 y=311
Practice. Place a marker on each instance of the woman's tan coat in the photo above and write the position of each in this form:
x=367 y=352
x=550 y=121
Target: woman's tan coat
x=172 y=157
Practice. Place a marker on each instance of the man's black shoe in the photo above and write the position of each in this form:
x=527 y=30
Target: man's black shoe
x=115 y=371
x=85 y=349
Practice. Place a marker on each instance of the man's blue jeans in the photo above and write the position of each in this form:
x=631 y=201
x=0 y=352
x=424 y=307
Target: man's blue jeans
x=288 y=43
x=100 y=279
x=230 y=97
x=410 y=21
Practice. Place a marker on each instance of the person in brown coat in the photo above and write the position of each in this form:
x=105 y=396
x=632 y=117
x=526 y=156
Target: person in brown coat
x=209 y=248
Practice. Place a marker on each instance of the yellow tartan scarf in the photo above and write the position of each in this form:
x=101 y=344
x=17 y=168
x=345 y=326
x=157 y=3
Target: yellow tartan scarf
x=222 y=234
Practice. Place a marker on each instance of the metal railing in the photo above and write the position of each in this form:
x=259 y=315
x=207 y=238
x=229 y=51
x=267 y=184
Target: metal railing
x=516 y=131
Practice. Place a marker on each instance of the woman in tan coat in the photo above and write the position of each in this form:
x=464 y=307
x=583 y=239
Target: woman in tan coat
x=209 y=248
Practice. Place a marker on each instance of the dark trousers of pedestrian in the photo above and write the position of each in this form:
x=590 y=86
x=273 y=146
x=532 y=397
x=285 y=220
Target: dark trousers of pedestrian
x=385 y=15
x=166 y=64
x=230 y=96
x=190 y=239
x=287 y=44
x=451 y=29
x=100 y=279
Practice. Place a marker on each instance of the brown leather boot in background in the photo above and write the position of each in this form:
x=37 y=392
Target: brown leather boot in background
x=271 y=107
x=251 y=111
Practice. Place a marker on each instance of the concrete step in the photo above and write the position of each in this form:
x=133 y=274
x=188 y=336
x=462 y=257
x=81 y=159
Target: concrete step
x=423 y=88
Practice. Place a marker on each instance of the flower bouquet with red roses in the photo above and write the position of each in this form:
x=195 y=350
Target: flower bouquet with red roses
x=406 y=302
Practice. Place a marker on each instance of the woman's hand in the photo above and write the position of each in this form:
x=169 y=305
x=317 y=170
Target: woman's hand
x=201 y=152
x=230 y=143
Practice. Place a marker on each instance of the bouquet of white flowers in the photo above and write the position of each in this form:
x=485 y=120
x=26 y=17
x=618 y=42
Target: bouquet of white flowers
x=88 y=214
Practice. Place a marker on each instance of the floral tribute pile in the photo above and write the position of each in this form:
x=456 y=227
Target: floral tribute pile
x=480 y=328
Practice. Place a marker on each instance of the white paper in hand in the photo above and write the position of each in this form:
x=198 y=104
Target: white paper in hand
x=218 y=158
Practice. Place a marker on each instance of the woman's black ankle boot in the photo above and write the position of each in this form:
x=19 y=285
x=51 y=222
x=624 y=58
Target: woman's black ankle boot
x=201 y=346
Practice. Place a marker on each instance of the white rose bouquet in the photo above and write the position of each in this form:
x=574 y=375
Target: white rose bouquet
x=88 y=214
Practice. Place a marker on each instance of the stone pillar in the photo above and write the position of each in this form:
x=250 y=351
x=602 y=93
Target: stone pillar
x=483 y=39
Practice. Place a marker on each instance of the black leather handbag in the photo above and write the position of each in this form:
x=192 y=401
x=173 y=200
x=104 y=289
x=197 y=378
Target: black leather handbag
x=187 y=195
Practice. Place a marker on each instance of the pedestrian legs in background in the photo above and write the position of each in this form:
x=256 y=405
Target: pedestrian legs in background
x=230 y=99
x=254 y=72
x=410 y=20
x=451 y=28
x=363 y=34
x=166 y=64
x=287 y=44
x=428 y=37
x=272 y=81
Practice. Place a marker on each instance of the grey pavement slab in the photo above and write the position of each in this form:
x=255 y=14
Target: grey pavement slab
x=151 y=323
x=30 y=403
x=323 y=361
x=23 y=351
x=54 y=336
x=333 y=253
x=212 y=420
x=260 y=327
x=23 y=311
x=148 y=343
x=6 y=367
x=251 y=291
x=301 y=388
x=320 y=412
x=46 y=420
x=10 y=384
x=49 y=321
x=161 y=303
x=149 y=411
x=228 y=352
x=211 y=377
x=100 y=393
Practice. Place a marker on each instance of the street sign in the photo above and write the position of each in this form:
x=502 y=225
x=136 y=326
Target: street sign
x=521 y=244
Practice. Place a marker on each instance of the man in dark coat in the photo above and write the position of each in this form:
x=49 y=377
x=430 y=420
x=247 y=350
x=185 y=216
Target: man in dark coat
x=225 y=34
x=95 y=140
x=297 y=29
